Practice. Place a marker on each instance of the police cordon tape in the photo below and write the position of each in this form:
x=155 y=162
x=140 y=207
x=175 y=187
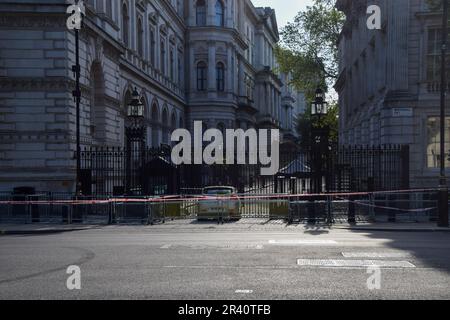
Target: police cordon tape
x=178 y=198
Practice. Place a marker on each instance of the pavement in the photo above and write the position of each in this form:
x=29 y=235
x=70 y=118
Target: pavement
x=237 y=261
x=17 y=229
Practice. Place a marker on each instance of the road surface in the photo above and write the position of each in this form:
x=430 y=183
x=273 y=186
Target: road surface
x=187 y=260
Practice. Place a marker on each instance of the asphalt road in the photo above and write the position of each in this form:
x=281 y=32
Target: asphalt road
x=207 y=261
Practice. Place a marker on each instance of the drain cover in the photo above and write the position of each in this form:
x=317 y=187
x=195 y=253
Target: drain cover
x=302 y=242
x=375 y=254
x=353 y=263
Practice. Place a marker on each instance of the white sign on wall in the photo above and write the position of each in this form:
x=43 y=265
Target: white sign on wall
x=402 y=112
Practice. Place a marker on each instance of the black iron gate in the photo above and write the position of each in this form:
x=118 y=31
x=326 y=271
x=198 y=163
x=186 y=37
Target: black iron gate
x=147 y=172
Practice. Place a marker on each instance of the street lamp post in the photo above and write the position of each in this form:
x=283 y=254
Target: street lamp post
x=77 y=96
x=443 y=188
x=135 y=133
x=319 y=109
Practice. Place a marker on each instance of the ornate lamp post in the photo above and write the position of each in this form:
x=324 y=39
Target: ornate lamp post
x=319 y=137
x=135 y=136
x=443 y=187
x=135 y=109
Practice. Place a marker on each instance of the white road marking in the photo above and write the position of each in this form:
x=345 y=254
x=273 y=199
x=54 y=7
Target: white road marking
x=244 y=291
x=375 y=254
x=353 y=263
x=303 y=242
x=166 y=246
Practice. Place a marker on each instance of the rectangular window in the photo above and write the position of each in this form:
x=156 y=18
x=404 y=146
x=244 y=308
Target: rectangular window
x=152 y=47
x=434 y=140
x=162 y=66
x=434 y=55
x=201 y=16
x=201 y=77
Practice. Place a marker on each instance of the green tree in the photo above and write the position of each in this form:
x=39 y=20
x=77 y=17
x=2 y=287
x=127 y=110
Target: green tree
x=309 y=52
x=308 y=47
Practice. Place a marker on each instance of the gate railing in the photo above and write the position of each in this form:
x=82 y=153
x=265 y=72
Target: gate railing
x=116 y=171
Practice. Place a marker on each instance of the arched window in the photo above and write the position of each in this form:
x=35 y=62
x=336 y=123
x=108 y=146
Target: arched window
x=125 y=25
x=201 y=76
x=201 y=12
x=220 y=72
x=219 y=14
x=140 y=40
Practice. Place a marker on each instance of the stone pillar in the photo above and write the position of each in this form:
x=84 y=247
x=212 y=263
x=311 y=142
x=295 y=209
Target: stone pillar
x=210 y=12
x=229 y=16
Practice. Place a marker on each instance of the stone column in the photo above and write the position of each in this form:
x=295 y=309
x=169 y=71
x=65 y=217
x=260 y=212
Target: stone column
x=229 y=17
x=211 y=14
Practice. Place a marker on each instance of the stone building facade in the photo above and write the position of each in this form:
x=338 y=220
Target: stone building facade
x=208 y=60
x=389 y=82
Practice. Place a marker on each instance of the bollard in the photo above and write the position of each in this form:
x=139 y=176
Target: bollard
x=351 y=210
x=443 y=208
x=330 y=219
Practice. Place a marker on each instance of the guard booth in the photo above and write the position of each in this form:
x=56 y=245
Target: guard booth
x=160 y=177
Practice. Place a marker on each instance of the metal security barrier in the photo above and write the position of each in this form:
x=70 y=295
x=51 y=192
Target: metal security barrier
x=131 y=210
x=396 y=206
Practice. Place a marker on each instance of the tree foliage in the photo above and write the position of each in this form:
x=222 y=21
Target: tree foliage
x=309 y=52
x=308 y=48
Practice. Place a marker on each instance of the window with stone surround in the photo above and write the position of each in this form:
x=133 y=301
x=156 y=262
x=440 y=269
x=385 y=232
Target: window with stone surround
x=125 y=25
x=220 y=14
x=109 y=11
x=434 y=140
x=152 y=46
x=162 y=64
x=172 y=65
x=434 y=56
x=220 y=72
x=140 y=38
x=202 y=70
x=201 y=13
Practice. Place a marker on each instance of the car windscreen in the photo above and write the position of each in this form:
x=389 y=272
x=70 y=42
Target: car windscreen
x=218 y=191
